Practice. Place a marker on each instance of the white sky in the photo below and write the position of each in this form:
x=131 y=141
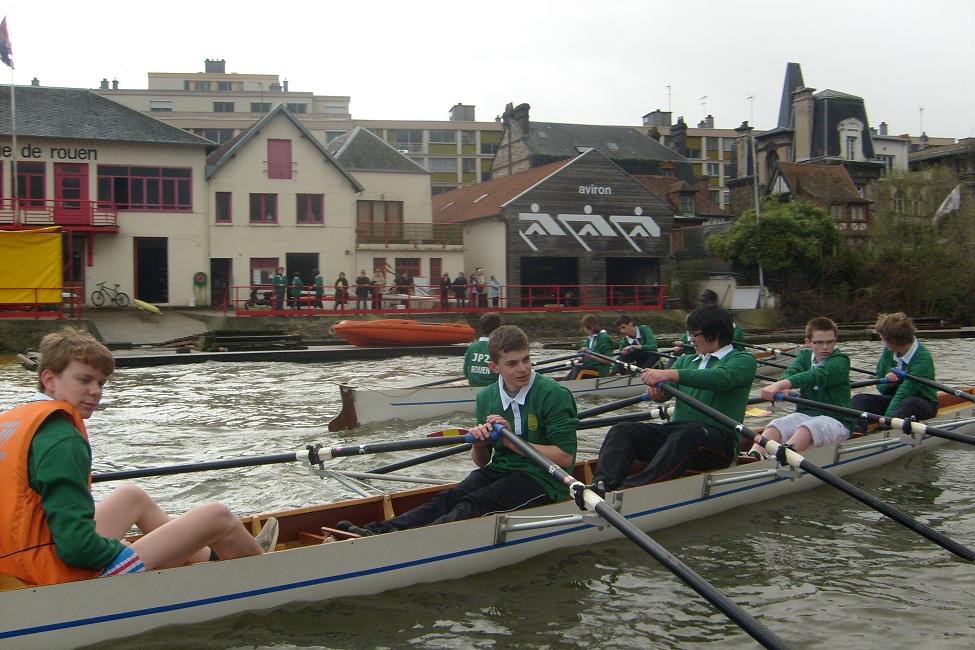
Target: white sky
x=590 y=62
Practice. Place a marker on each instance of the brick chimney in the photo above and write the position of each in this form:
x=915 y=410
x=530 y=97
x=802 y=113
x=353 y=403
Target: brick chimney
x=678 y=137
x=215 y=65
x=743 y=151
x=104 y=84
x=802 y=128
x=517 y=115
x=114 y=84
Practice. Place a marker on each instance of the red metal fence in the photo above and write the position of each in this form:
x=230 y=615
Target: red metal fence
x=71 y=304
x=262 y=300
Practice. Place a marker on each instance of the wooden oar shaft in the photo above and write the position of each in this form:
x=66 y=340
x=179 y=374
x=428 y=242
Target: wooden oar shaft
x=884 y=421
x=797 y=460
x=957 y=392
x=597 y=504
x=167 y=470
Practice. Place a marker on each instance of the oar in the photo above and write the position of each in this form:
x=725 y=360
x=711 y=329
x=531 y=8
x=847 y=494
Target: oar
x=795 y=459
x=419 y=460
x=591 y=501
x=869 y=382
x=907 y=426
x=537 y=363
x=314 y=454
x=786 y=353
x=957 y=392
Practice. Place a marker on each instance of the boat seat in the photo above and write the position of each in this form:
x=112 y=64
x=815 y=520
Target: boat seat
x=9 y=583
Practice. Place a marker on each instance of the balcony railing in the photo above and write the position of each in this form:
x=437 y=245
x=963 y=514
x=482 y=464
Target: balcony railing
x=61 y=212
x=410 y=234
x=261 y=300
x=41 y=302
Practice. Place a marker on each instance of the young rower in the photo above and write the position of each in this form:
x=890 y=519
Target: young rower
x=708 y=298
x=719 y=376
x=51 y=530
x=477 y=361
x=596 y=340
x=899 y=398
x=822 y=373
x=537 y=408
x=638 y=344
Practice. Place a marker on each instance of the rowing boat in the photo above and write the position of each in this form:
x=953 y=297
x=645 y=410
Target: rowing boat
x=305 y=568
x=399 y=332
x=365 y=405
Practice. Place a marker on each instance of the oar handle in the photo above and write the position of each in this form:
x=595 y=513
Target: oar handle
x=957 y=392
x=595 y=503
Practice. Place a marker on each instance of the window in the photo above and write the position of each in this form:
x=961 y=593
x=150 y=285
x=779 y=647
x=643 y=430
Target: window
x=264 y=208
x=224 y=208
x=216 y=135
x=223 y=107
x=687 y=204
x=837 y=212
x=309 y=208
x=443 y=165
x=469 y=165
x=729 y=144
x=167 y=189
x=489 y=147
x=331 y=135
x=379 y=221
x=297 y=108
x=443 y=137
x=888 y=162
x=714 y=169
x=693 y=153
x=408 y=266
x=260 y=107
x=899 y=202
x=201 y=86
x=712 y=144
x=160 y=105
x=263 y=269
x=715 y=196
x=30 y=184
x=225 y=86
x=851 y=147
x=279 y=163
x=409 y=140
x=468 y=137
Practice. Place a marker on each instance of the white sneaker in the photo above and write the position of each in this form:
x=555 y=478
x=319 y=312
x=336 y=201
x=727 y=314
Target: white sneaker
x=268 y=537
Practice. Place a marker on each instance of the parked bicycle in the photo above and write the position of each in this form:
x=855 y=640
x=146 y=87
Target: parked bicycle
x=104 y=294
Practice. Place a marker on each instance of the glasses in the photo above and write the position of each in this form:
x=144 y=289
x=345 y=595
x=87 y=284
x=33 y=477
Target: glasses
x=691 y=335
x=826 y=342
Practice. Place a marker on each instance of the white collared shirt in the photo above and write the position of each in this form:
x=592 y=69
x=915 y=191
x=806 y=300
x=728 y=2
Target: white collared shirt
x=515 y=402
x=717 y=354
x=636 y=339
x=592 y=338
x=40 y=397
x=903 y=361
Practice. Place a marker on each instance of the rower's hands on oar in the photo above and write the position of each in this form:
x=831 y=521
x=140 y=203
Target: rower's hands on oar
x=771 y=391
x=487 y=432
x=892 y=377
x=653 y=376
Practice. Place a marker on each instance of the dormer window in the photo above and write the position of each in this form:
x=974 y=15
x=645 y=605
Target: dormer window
x=851 y=147
x=686 y=204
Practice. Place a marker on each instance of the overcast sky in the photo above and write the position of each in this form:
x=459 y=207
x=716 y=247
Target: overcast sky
x=591 y=62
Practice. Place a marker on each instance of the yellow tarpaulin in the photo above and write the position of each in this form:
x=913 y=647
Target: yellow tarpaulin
x=30 y=266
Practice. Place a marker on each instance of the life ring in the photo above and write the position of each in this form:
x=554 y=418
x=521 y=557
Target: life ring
x=199 y=279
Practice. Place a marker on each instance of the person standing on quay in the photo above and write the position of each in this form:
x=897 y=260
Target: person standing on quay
x=296 y=287
x=362 y=290
x=280 y=282
x=319 y=282
x=341 y=291
x=445 y=291
x=494 y=292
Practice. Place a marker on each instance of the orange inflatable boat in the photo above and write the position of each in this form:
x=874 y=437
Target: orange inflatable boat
x=397 y=332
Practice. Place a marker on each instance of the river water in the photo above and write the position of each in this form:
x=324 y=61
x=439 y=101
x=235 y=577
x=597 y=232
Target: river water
x=819 y=568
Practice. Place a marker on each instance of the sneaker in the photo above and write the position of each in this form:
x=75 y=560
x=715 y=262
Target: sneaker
x=267 y=539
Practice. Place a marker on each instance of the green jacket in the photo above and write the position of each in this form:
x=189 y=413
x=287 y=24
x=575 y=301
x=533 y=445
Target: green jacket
x=280 y=282
x=476 y=367
x=723 y=385
x=602 y=344
x=829 y=382
x=296 y=285
x=58 y=465
x=547 y=418
x=647 y=341
x=921 y=365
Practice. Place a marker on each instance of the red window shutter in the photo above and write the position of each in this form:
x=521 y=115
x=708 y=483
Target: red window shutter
x=279 y=159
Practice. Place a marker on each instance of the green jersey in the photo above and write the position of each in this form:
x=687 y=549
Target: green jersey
x=547 y=417
x=476 y=367
x=644 y=338
x=602 y=344
x=919 y=364
x=723 y=384
x=280 y=283
x=827 y=382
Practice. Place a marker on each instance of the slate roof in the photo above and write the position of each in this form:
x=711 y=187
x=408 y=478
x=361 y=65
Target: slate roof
x=361 y=150
x=488 y=199
x=820 y=184
x=79 y=114
x=614 y=142
x=793 y=80
x=669 y=188
x=965 y=146
x=229 y=149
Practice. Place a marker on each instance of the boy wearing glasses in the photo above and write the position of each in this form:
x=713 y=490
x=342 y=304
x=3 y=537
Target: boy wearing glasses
x=720 y=376
x=822 y=373
x=899 y=398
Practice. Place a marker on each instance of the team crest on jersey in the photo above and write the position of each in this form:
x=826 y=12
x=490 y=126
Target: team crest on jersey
x=532 y=422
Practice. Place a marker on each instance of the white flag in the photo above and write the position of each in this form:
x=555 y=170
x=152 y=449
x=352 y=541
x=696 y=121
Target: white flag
x=951 y=203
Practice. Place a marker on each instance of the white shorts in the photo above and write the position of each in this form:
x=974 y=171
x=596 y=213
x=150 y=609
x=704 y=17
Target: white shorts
x=824 y=429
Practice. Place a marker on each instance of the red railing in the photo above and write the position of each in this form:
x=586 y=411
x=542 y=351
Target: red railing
x=261 y=300
x=63 y=212
x=41 y=304
x=410 y=234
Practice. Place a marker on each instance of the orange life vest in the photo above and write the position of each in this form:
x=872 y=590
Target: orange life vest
x=26 y=545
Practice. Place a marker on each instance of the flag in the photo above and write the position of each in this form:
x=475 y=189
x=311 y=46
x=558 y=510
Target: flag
x=6 y=50
x=951 y=203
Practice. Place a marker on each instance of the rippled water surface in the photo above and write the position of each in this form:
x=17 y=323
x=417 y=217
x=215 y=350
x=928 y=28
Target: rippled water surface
x=819 y=568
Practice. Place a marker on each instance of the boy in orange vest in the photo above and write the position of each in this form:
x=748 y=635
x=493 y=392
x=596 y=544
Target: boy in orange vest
x=51 y=530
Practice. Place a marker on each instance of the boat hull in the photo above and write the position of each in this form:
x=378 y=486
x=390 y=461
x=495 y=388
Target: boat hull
x=364 y=405
x=399 y=332
x=90 y=611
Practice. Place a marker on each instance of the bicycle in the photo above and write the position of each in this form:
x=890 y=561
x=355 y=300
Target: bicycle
x=103 y=294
